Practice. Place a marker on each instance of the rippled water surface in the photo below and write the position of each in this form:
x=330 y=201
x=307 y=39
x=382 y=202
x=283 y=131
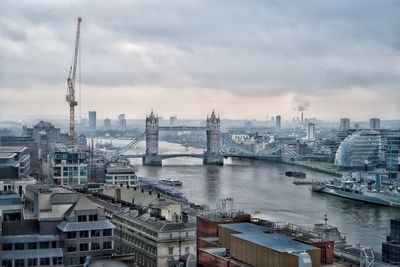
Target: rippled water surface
x=263 y=190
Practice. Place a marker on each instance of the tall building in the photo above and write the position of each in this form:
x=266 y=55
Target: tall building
x=374 y=124
x=172 y=121
x=32 y=146
x=344 y=124
x=46 y=134
x=391 y=145
x=120 y=173
x=15 y=162
x=311 y=131
x=84 y=123
x=121 y=122
x=92 y=120
x=54 y=227
x=391 y=248
x=213 y=153
x=107 y=124
x=278 y=122
x=68 y=165
x=360 y=148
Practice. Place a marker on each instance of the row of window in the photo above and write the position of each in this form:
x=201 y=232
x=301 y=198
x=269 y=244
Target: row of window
x=32 y=262
x=72 y=261
x=90 y=218
x=136 y=226
x=137 y=242
x=85 y=234
x=31 y=245
x=171 y=250
x=85 y=246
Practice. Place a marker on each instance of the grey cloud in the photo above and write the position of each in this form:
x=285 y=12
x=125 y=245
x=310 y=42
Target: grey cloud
x=248 y=47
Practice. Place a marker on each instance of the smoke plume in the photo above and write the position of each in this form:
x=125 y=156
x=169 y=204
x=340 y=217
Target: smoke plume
x=300 y=104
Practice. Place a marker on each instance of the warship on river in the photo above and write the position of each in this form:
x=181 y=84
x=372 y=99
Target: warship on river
x=365 y=192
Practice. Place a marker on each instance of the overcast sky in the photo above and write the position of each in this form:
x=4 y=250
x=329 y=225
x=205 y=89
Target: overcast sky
x=246 y=59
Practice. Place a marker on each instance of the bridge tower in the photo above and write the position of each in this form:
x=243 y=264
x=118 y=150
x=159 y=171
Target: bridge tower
x=213 y=154
x=152 y=130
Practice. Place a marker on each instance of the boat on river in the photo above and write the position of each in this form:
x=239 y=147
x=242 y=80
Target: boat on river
x=349 y=189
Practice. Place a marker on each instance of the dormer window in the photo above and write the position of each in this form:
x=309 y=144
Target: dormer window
x=82 y=218
x=93 y=217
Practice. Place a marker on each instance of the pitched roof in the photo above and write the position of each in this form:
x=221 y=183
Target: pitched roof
x=83 y=203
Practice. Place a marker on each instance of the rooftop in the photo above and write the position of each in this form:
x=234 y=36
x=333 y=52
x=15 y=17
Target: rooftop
x=70 y=149
x=47 y=189
x=12 y=149
x=256 y=234
x=7 y=155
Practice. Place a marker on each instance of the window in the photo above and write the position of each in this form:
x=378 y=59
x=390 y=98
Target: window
x=44 y=261
x=19 y=246
x=44 y=245
x=82 y=218
x=57 y=260
x=32 y=245
x=32 y=262
x=54 y=244
x=107 y=232
x=170 y=250
x=19 y=263
x=84 y=234
x=95 y=233
x=70 y=261
x=95 y=246
x=83 y=247
x=93 y=217
x=71 y=248
x=7 y=247
x=6 y=263
x=107 y=245
x=71 y=235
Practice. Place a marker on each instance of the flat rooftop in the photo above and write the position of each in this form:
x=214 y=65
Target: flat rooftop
x=48 y=188
x=256 y=234
x=12 y=149
x=7 y=155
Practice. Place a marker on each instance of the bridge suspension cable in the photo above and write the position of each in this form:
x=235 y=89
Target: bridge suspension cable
x=231 y=144
x=132 y=144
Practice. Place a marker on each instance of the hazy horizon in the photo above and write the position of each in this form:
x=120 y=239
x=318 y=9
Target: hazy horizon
x=244 y=59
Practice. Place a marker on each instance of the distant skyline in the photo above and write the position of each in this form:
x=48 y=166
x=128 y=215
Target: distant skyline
x=245 y=59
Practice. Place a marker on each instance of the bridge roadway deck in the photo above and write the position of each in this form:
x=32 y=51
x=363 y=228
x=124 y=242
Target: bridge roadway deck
x=226 y=155
x=167 y=156
x=182 y=128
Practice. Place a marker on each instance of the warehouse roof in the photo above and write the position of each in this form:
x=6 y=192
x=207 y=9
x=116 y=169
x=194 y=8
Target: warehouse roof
x=275 y=241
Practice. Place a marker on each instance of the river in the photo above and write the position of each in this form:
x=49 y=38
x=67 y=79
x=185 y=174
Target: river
x=263 y=190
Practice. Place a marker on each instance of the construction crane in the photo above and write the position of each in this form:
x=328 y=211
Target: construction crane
x=71 y=85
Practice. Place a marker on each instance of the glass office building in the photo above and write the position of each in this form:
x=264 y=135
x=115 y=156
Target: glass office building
x=360 y=148
x=391 y=143
x=391 y=248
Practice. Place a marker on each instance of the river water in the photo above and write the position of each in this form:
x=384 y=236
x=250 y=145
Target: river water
x=263 y=190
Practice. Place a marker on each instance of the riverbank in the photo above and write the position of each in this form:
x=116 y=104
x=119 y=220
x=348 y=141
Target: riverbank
x=314 y=167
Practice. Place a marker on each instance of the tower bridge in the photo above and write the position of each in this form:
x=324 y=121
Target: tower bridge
x=213 y=155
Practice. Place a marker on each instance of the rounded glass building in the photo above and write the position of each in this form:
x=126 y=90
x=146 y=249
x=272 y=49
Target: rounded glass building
x=358 y=149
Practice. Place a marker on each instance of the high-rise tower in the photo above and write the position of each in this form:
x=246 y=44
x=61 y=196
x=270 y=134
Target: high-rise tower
x=152 y=132
x=213 y=154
